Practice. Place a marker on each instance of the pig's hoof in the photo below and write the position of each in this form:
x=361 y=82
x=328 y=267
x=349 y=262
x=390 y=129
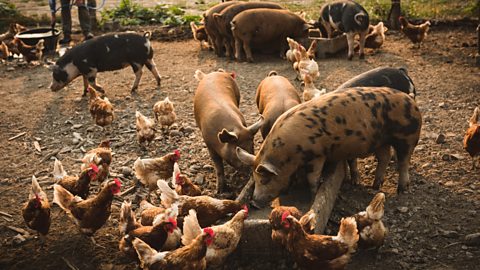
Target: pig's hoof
x=350 y=57
x=362 y=56
x=401 y=189
x=250 y=60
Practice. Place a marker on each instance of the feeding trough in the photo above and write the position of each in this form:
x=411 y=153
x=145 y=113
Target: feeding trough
x=32 y=36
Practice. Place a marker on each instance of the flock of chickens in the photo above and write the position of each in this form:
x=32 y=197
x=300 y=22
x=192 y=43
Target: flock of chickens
x=181 y=233
x=11 y=45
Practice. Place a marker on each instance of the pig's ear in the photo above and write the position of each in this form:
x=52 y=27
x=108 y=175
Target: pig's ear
x=256 y=126
x=226 y=136
x=266 y=169
x=306 y=27
x=217 y=16
x=245 y=157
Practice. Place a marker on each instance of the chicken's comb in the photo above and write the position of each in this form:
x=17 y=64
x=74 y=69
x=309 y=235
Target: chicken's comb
x=117 y=182
x=208 y=231
x=245 y=207
x=177 y=176
x=285 y=215
x=233 y=74
x=177 y=153
x=94 y=167
x=37 y=197
x=173 y=221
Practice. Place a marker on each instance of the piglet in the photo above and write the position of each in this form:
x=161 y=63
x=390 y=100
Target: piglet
x=105 y=53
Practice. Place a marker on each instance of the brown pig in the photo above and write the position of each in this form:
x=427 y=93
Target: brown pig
x=337 y=126
x=224 y=18
x=221 y=123
x=260 y=27
x=275 y=95
x=211 y=26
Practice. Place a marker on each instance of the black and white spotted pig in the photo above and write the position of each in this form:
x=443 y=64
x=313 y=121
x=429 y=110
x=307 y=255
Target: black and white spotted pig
x=105 y=53
x=275 y=95
x=223 y=127
x=347 y=17
x=334 y=127
x=396 y=78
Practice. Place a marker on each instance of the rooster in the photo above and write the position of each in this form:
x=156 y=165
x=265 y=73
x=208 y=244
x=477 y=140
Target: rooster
x=182 y=184
x=279 y=234
x=369 y=222
x=164 y=226
x=36 y=211
x=100 y=108
x=90 y=214
x=191 y=257
x=321 y=251
x=416 y=33
x=149 y=170
x=145 y=128
x=148 y=212
x=76 y=185
x=30 y=53
x=471 y=141
x=99 y=155
x=309 y=90
x=226 y=239
x=209 y=209
x=164 y=113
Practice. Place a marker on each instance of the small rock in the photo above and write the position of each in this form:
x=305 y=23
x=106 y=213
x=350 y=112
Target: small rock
x=402 y=209
x=77 y=136
x=10 y=69
x=78 y=99
x=188 y=130
x=175 y=133
x=18 y=239
x=440 y=139
x=194 y=168
x=75 y=141
x=448 y=234
x=128 y=97
x=199 y=179
x=208 y=167
x=426 y=165
x=77 y=126
x=40 y=85
x=441 y=105
x=126 y=171
x=472 y=239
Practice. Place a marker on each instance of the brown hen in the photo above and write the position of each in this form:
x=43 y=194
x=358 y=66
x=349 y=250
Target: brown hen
x=471 y=141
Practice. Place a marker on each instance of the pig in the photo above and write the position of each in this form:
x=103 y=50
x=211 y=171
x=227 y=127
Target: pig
x=262 y=27
x=348 y=17
x=334 y=127
x=275 y=95
x=221 y=123
x=216 y=39
x=224 y=18
x=396 y=78
x=330 y=45
x=105 y=53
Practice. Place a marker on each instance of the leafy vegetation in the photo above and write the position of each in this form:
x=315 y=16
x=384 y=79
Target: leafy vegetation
x=9 y=14
x=130 y=13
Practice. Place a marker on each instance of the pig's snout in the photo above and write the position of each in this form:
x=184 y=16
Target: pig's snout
x=54 y=86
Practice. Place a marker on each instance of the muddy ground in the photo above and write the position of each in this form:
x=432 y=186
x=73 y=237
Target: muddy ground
x=426 y=226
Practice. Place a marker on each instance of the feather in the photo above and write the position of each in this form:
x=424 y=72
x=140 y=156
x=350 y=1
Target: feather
x=191 y=228
x=58 y=172
x=168 y=196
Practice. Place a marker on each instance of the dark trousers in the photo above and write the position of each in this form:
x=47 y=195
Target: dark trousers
x=83 y=16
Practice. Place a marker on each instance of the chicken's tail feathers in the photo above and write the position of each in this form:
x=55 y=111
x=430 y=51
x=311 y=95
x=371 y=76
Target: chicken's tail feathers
x=63 y=197
x=308 y=221
x=474 y=119
x=348 y=232
x=191 y=228
x=375 y=209
x=168 y=196
x=58 y=171
x=127 y=217
x=36 y=190
x=146 y=254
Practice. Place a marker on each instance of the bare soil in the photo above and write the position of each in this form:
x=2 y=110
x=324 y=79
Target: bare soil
x=427 y=226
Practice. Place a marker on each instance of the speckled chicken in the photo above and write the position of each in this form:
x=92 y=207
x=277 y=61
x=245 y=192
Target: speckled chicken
x=226 y=239
x=145 y=128
x=191 y=257
x=100 y=108
x=182 y=184
x=369 y=223
x=471 y=141
x=164 y=113
x=36 y=211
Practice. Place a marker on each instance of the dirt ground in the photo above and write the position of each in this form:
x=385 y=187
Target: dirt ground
x=426 y=227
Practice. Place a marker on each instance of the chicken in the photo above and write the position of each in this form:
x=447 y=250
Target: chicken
x=4 y=51
x=36 y=211
x=209 y=210
x=191 y=257
x=127 y=221
x=13 y=29
x=200 y=35
x=100 y=108
x=145 y=128
x=164 y=113
x=90 y=214
x=290 y=54
x=30 y=53
x=148 y=212
x=279 y=234
x=312 y=49
x=77 y=185
x=156 y=235
x=182 y=184
x=376 y=36
x=321 y=251
x=149 y=170
x=471 y=141
x=309 y=90
x=416 y=33
x=304 y=65
x=226 y=239
x=369 y=223
x=99 y=155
